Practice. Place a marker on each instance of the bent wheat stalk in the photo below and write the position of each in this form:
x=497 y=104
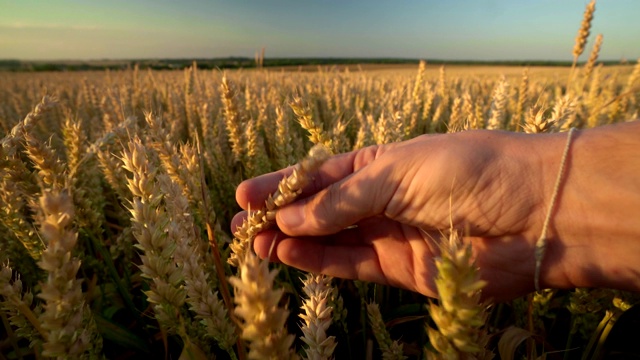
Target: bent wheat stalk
x=288 y=189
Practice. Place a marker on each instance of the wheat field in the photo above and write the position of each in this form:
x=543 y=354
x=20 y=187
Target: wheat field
x=114 y=184
x=117 y=191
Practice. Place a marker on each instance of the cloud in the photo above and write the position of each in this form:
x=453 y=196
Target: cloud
x=44 y=26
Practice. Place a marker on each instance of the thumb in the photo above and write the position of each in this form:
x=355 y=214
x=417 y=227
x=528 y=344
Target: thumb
x=361 y=195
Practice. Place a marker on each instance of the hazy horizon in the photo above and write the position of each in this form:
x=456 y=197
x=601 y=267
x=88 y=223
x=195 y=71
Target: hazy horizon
x=488 y=30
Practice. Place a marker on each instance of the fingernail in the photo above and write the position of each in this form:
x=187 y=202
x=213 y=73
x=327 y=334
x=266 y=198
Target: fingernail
x=291 y=216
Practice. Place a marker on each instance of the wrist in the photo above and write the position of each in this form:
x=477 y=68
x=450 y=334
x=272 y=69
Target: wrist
x=594 y=233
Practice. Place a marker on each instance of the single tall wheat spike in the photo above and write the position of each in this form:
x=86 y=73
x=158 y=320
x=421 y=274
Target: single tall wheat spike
x=87 y=189
x=288 y=189
x=535 y=122
x=282 y=149
x=456 y=122
x=199 y=277
x=149 y=222
x=523 y=98
x=633 y=78
x=417 y=87
x=581 y=38
x=232 y=119
x=460 y=315
x=583 y=32
x=263 y=321
x=257 y=162
x=10 y=142
x=365 y=135
x=45 y=160
x=391 y=349
x=593 y=57
x=305 y=118
x=498 y=105
x=17 y=307
x=317 y=317
x=71 y=332
x=13 y=217
x=563 y=111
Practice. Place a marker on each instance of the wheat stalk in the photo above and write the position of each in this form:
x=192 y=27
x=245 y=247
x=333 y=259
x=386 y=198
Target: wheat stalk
x=45 y=159
x=581 y=38
x=190 y=255
x=303 y=113
x=12 y=203
x=11 y=140
x=257 y=162
x=233 y=120
x=536 y=122
x=391 y=349
x=149 y=222
x=633 y=78
x=317 y=317
x=460 y=315
x=498 y=105
x=18 y=308
x=257 y=304
x=593 y=57
x=288 y=189
x=523 y=98
x=283 y=151
x=583 y=32
x=70 y=329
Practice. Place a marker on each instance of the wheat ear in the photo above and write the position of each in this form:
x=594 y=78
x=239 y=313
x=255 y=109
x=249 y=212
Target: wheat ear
x=303 y=113
x=232 y=119
x=263 y=321
x=18 y=307
x=498 y=105
x=189 y=254
x=391 y=349
x=591 y=62
x=523 y=98
x=581 y=38
x=66 y=318
x=583 y=32
x=317 y=317
x=633 y=78
x=460 y=316
x=11 y=141
x=149 y=223
x=288 y=189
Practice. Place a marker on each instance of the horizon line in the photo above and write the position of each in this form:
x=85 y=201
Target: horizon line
x=350 y=58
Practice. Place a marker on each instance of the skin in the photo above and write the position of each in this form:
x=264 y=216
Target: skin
x=492 y=186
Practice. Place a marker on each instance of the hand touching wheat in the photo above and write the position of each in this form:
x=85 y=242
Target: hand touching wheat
x=492 y=186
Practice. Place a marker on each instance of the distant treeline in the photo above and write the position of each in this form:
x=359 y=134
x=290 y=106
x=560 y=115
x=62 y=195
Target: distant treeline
x=242 y=62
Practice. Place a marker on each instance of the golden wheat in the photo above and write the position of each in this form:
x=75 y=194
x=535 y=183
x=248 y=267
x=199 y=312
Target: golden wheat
x=165 y=184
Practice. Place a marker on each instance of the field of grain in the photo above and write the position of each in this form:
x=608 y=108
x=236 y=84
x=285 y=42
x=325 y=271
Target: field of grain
x=117 y=191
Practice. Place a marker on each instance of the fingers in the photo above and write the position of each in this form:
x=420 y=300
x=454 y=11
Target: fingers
x=237 y=220
x=253 y=192
x=346 y=189
x=349 y=261
x=362 y=194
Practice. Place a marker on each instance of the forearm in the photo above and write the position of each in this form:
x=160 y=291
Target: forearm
x=596 y=224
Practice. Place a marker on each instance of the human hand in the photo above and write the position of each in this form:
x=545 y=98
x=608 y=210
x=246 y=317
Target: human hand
x=492 y=186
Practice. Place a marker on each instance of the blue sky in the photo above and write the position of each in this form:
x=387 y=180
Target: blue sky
x=454 y=29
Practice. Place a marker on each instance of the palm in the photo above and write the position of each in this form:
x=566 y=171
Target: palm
x=401 y=196
x=378 y=250
x=387 y=252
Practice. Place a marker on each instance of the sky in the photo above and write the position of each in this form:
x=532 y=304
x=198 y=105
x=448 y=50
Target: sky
x=415 y=29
